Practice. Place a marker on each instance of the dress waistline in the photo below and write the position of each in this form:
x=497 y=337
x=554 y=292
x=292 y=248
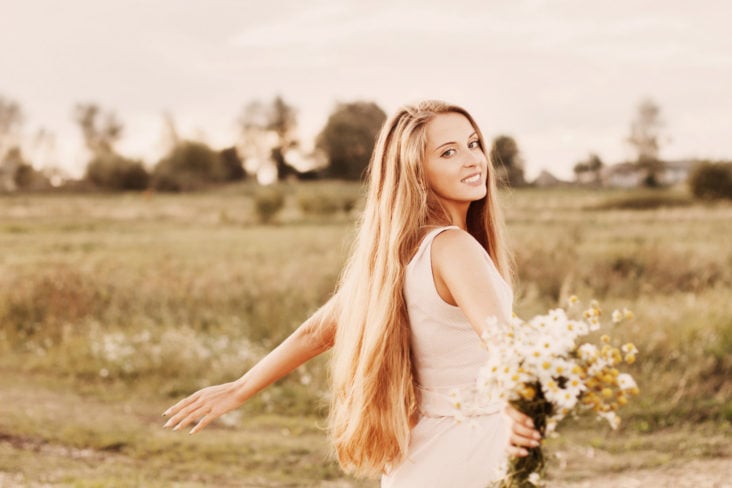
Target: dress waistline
x=455 y=402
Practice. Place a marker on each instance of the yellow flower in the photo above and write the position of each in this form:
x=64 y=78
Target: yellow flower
x=607 y=392
x=628 y=314
x=617 y=357
x=528 y=393
x=630 y=358
x=605 y=338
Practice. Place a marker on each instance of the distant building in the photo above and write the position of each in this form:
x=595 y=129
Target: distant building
x=629 y=175
x=587 y=178
x=676 y=172
x=622 y=175
x=547 y=180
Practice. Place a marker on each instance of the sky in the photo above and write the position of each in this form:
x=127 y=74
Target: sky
x=563 y=77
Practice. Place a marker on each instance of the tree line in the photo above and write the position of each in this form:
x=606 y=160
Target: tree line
x=267 y=140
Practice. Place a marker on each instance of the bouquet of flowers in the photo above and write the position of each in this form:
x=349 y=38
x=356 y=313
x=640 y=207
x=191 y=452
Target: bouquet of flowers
x=539 y=367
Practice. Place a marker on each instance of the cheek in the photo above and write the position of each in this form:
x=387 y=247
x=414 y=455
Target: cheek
x=436 y=176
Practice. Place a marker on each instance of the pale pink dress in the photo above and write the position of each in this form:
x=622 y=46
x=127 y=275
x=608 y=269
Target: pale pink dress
x=449 y=447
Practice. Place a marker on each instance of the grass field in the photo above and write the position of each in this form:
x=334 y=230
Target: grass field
x=114 y=306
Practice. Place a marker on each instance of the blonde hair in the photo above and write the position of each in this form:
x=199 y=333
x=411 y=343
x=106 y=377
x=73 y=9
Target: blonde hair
x=374 y=402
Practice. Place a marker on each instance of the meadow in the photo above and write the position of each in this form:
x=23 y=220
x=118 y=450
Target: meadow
x=112 y=307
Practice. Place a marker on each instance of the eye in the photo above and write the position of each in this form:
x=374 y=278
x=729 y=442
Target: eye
x=448 y=153
x=474 y=143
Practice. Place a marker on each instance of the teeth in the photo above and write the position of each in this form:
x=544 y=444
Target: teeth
x=473 y=179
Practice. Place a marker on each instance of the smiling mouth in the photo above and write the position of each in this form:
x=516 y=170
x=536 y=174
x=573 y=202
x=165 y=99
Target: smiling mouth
x=472 y=178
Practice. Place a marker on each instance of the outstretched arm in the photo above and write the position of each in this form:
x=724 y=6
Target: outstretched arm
x=313 y=337
x=462 y=279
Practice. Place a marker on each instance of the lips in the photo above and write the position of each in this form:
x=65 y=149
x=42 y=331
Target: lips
x=472 y=179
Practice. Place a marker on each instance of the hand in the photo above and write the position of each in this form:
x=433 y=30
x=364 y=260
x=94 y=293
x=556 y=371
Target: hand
x=203 y=407
x=523 y=433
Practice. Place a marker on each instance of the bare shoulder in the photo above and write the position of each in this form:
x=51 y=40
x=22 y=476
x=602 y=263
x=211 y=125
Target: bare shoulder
x=461 y=277
x=455 y=246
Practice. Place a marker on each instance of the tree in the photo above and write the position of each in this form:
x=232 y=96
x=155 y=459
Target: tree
x=268 y=132
x=283 y=122
x=111 y=171
x=170 y=137
x=588 y=171
x=506 y=158
x=18 y=174
x=232 y=164
x=100 y=130
x=348 y=138
x=107 y=169
x=711 y=180
x=645 y=137
x=11 y=120
x=189 y=166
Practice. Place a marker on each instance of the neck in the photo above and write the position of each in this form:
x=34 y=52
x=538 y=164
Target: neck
x=457 y=213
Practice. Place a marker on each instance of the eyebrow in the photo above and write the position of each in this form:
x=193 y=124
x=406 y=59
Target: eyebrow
x=453 y=142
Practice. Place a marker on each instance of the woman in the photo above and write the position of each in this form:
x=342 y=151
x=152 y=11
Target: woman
x=428 y=271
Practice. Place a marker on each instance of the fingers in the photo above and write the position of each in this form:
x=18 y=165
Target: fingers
x=207 y=419
x=201 y=408
x=531 y=440
x=187 y=414
x=519 y=417
x=523 y=434
x=517 y=451
x=180 y=405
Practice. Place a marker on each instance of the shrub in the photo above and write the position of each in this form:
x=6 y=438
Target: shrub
x=643 y=202
x=711 y=181
x=117 y=173
x=328 y=199
x=190 y=166
x=268 y=202
x=319 y=203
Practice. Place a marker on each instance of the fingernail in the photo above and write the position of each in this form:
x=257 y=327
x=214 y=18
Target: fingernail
x=537 y=435
x=524 y=452
x=535 y=443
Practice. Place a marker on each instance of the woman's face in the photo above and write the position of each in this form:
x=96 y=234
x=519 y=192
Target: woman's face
x=455 y=166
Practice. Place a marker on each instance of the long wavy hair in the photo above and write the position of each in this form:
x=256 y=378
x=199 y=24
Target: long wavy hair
x=375 y=402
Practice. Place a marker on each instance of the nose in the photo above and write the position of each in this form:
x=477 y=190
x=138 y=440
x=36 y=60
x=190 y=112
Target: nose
x=471 y=160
